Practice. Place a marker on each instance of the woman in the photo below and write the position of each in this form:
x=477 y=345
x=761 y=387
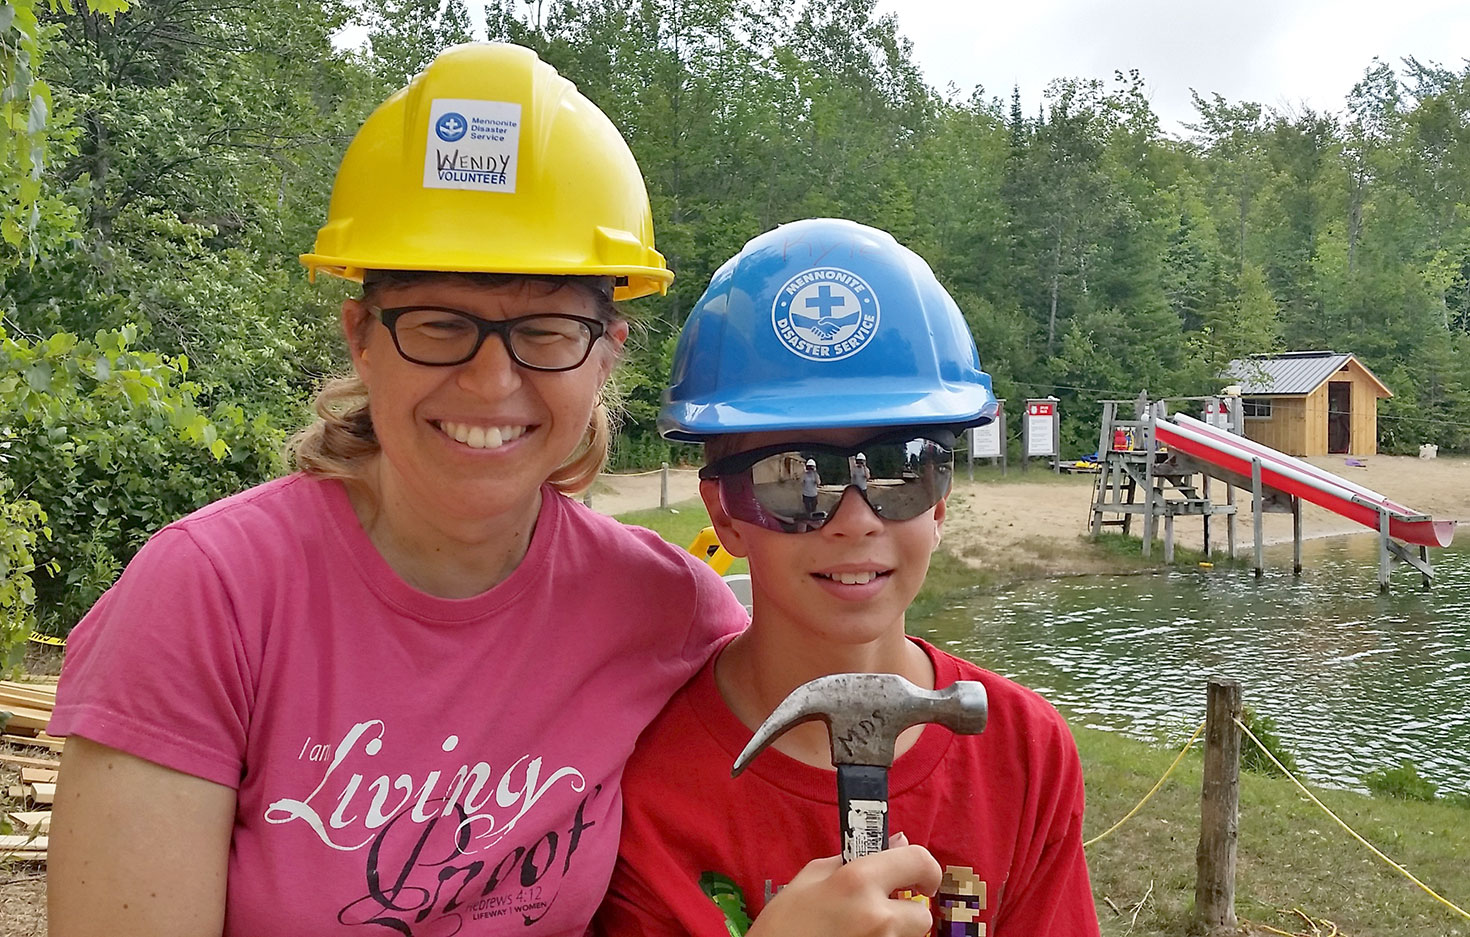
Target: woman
x=395 y=691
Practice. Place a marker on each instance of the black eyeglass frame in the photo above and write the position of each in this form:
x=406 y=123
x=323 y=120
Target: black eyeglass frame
x=596 y=328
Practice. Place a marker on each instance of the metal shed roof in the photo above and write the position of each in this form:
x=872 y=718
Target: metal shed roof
x=1293 y=372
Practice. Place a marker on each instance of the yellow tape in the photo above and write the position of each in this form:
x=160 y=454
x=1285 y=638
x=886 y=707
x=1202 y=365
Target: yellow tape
x=50 y=639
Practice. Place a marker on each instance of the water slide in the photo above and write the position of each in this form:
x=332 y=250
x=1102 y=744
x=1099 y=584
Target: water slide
x=1233 y=454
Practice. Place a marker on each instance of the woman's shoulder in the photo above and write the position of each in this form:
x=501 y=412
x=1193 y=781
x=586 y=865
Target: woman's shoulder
x=293 y=499
x=281 y=512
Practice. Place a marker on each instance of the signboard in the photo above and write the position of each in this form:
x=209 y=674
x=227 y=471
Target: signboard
x=1215 y=413
x=985 y=440
x=1041 y=416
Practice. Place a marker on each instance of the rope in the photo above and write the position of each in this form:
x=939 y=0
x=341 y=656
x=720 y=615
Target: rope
x=632 y=474
x=1374 y=849
x=1129 y=815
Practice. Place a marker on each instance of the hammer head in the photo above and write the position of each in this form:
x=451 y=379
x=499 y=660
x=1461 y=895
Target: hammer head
x=865 y=712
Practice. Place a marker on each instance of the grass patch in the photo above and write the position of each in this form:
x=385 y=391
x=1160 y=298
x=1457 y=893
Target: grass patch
x=679 y=524
x=950 y=579
x=1291 y=855
x=1127 y=551
x=985 y=474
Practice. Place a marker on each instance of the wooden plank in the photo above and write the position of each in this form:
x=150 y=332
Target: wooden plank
x=26 y=761
x=24 y=855
x=22 y=841
x=33 y=820
x=40 y=740
x=38 y=775
x=25 y=718
x=18 y=791
x=43 y=793
x=26 y=700
x=40 y=692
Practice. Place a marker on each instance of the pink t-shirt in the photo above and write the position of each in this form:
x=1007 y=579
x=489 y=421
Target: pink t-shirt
x=405 y=764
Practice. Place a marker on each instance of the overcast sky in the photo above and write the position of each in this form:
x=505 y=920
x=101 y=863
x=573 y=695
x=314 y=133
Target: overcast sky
x=1281 y=54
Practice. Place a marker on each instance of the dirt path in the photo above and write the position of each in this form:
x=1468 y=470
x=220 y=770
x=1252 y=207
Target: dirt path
x=619 y=493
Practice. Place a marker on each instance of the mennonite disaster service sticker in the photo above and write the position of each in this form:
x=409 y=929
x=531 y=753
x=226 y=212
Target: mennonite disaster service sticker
x=825 y=314
x=472 y=145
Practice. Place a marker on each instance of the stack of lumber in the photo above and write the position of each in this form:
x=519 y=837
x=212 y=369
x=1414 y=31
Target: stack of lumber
x=29 y=706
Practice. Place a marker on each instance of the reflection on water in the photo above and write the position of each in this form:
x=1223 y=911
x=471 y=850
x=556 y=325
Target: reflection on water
x=1357 y=681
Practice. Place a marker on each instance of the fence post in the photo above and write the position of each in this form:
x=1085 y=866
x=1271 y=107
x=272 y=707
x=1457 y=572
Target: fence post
x=1259 y=505
x=663 y=484
x=1214 y=888
x=1296 y=535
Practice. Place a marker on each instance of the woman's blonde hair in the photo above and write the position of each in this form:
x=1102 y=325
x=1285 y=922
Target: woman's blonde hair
x=341 y=440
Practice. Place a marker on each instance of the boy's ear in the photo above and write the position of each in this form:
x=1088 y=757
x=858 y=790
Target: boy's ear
x=939 y=511
x=730 y=539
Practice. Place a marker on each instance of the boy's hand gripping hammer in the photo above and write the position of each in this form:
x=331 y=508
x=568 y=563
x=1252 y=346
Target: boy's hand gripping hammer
x=865 y=712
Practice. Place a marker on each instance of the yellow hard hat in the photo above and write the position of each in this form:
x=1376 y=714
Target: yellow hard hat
x=489 y=161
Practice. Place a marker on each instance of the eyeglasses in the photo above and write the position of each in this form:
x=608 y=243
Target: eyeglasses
x=796 y=487
x=438 y=336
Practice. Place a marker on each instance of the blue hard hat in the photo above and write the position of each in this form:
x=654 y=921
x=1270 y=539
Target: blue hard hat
x=818 y=324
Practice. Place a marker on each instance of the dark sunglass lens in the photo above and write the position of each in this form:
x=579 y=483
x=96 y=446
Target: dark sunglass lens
x=800 y=490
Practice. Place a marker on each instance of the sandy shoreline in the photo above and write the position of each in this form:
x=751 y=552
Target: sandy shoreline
x=1035 y=523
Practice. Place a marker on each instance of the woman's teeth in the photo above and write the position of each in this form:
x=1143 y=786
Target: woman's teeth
x=850 y=579
x=482 y=437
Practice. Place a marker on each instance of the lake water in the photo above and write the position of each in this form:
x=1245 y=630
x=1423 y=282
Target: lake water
x=1357 y=681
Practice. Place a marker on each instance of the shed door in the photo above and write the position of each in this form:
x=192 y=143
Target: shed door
x=1339 y=416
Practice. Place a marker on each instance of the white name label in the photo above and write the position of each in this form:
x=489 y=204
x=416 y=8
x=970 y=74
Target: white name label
x=472 y=145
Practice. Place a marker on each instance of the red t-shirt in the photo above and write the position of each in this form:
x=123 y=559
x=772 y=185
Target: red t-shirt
x=1001 y=811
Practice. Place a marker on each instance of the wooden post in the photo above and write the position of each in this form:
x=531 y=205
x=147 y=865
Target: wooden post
x=1056 y=437
x=1025 y=437
x=1257 y=504
x=1150 y=504
x=1230 y=521
x=1100 y=494
x=1296 y=535
x=1168 y=536
x=1004 y=449
x=1214 y=887
x=1105 y=435
x=1205 y=490
x=1385 y=560
x=1424 y=559
x=970 y=451
x=663 y=485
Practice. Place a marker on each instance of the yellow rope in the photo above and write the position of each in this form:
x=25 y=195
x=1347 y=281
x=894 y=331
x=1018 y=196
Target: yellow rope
x=1182 y=752
x=1374 y=849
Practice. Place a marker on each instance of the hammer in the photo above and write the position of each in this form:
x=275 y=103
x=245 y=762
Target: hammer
x=865 y=712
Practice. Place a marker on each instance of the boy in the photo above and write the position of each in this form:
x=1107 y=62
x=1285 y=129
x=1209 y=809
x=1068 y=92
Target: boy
x=825 y=345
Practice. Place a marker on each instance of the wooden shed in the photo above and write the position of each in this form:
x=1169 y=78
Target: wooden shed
x=1310 y=402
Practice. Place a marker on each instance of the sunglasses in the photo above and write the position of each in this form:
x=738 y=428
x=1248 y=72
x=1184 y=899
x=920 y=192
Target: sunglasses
x=797 y=487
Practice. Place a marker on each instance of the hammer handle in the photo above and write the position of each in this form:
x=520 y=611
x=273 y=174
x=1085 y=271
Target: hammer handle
x=862 y=808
